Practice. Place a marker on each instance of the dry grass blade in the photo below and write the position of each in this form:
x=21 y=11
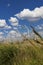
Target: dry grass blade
x=36 y=32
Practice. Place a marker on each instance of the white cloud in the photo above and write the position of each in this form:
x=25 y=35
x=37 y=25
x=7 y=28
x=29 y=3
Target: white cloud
x=31 y=15
x=1 y=36
x=14 y=33
x=40 y=27
x=13 y=36
x=1 y=33
x=7 y=27
x=14 y=21
x=2 y=22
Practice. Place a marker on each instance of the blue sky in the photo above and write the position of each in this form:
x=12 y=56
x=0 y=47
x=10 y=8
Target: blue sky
x=9 y=8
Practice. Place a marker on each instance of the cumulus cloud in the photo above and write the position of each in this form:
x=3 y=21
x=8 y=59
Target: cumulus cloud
x=31 y=15
x=14 y=33
x=26 y=14
x=4 y=26
x=13 y=21
x=2 y=22
x=13 y=36
x=1 y=33
x=7 y=27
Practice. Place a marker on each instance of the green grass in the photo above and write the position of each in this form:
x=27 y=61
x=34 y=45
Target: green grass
x=24 y=53
x=27 y=52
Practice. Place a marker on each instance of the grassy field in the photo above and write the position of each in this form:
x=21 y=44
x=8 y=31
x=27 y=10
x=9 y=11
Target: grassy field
x=27 y=52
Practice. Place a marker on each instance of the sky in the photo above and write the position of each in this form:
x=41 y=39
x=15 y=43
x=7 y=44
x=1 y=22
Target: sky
x=17 y=13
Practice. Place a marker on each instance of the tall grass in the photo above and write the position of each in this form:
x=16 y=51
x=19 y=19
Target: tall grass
x=20 y=54
x=27 y=52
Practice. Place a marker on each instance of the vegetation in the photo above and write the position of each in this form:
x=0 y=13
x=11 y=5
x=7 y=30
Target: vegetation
x=27 y=52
